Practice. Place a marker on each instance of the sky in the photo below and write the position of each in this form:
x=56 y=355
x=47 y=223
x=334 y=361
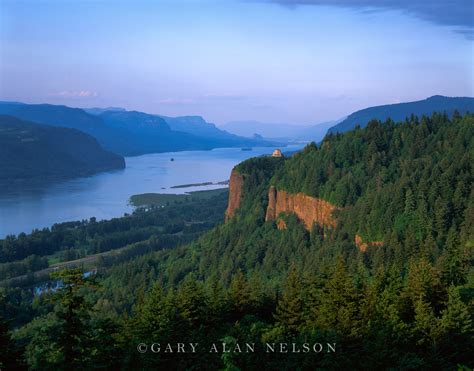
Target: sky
x=292 y=61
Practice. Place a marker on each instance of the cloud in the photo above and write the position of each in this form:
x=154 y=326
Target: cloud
x=459 y=13
x=467 y=33
x=75 y=94
x=177 y=101
x=224 y=97
x=203 y=99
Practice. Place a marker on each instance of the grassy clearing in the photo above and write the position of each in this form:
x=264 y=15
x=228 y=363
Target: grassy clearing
x=163 y=199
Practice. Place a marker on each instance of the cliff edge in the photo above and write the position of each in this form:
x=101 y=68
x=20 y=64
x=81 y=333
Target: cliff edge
x=235 y=193
x=307 y=208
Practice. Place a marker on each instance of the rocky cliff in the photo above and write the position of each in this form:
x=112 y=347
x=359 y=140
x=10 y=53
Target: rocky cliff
x=308 y=209
x=363 y=246
x=235 y=193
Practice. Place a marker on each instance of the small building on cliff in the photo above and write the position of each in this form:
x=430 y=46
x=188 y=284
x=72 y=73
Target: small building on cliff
x=277 y=153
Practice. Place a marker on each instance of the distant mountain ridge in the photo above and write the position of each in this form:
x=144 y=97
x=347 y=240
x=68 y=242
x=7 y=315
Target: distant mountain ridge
x=98 y=110
x=148 y=133
x=131 y=133
x=279 y=130
x=196 y=125
x=400 y=111
x=41 y=153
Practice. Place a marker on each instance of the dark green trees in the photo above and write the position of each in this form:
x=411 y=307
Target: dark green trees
x=405 y=303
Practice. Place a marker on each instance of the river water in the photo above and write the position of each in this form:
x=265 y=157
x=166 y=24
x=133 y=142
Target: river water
x=106 y=195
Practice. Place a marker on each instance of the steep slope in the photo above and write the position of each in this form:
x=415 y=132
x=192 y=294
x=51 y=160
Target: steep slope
x=389 y=177
x=196 y=125
x=148 y=134
x=235 y=193
x=402 y=302
x=388 y=190
x=400 y=111
x=309 y=210
x=34 y=152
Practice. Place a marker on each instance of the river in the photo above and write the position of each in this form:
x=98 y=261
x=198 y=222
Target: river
x=106 y=195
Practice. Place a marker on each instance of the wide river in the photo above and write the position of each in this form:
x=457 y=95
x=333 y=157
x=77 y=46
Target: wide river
x=106 y=195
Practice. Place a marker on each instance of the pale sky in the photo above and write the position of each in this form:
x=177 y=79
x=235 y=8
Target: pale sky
x=302 y=61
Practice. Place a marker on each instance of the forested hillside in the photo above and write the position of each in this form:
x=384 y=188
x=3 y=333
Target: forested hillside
x=405 y=303
x=413 y=179
x=30 y=152
x=401 y=111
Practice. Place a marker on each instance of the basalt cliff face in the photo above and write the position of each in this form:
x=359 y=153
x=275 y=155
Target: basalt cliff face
x=307 y=208
x=235 y=193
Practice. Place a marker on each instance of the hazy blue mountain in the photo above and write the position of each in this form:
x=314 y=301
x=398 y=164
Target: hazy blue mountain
x=35 y=152
x=268 y=130
x=98 y=110
x=63 y=116
x=148 y=134
x=279 y=130
x=130 y=132
x=196 y=125
x=317 y=132
x=400 y=111
x=55 y=115
x=151 y=133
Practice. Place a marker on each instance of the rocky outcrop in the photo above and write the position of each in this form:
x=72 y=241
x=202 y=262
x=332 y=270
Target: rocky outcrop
x=307 y=208
x=363 y=246
x=281 y=224
x=235 y=193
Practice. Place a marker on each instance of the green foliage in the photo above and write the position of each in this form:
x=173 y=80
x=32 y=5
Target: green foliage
x=144 y=231
x=9 y=355
x=165 y=199
x=413 y=177
x=406 y=304
x=289 y=310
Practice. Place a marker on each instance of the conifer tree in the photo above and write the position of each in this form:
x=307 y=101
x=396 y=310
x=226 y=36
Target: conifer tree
x=458 y=329
x=191 y=301
x=339 y=305
x=453 y=265
x=8 y=351
x=289 y=310
x=239 y=293
x=155 y=315
x=73 y=312
x=218 y=301
x=426 y=326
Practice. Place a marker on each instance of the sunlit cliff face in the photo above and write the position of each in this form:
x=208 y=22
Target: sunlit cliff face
x=307 y=208
x=235 y=193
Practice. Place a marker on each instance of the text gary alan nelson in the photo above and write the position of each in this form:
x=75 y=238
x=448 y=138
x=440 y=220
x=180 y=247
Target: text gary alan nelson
x=237 y=348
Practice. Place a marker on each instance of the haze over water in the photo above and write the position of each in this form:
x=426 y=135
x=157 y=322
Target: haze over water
x=106 y=195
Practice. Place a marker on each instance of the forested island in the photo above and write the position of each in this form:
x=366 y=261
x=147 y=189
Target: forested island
x=386 y=275
x=147 y=200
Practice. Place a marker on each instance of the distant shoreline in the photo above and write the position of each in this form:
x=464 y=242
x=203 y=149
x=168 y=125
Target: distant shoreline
x=223 y=182
x=146 y=200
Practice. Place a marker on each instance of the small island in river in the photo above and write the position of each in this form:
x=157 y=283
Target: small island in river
x=145 y=200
